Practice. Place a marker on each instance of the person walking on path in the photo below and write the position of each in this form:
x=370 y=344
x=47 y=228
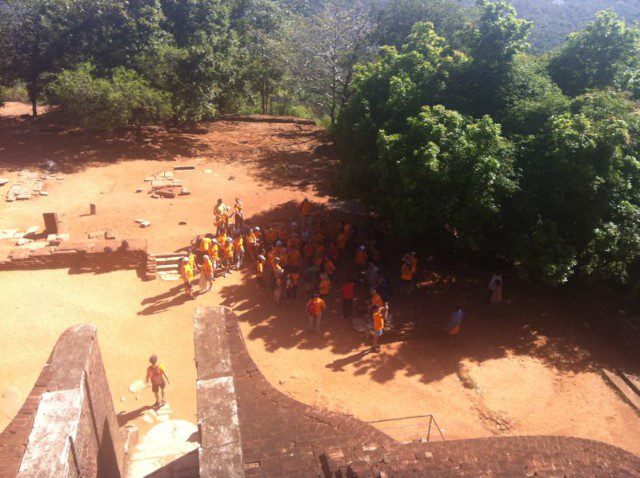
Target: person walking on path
x=454 y=326
x=315 y=308
x=348 y=294
x=378 y=327
x=158 y=378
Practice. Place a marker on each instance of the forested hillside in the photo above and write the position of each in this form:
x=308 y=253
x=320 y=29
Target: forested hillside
x=555 y=19
x=448 y=126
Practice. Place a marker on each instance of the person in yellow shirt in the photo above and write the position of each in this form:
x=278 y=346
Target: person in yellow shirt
x=214 y=255
x=378 y=327
x=158 y=378
x=315 y=307
x=186 y=272
x=238 y=249
x=207 y=273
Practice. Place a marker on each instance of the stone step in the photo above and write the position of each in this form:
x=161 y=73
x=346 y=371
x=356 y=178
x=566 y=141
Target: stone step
x=632 y=380
x=623 y=388
x=173 y=258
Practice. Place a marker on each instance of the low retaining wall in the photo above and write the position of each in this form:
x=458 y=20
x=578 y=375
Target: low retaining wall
x=102 y=254
x=67 y=427
x=251 y=429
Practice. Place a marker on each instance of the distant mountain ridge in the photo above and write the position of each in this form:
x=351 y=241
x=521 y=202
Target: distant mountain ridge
x=555 y=19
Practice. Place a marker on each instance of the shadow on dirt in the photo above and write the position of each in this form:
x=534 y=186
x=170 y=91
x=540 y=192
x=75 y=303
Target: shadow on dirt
x=31 y=143
x=569 y=328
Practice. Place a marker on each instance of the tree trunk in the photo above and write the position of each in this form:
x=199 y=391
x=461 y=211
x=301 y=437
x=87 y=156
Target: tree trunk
x=33 y=98
x=264 y=94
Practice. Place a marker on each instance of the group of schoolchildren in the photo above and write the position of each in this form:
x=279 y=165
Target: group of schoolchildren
x=305 y=254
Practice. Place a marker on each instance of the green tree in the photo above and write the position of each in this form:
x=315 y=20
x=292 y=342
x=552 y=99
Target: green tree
x=597 y=56
x=34 y=42
x=394 y=21
x=498 y=38
x=125 y=99
x=447 y=176
x=579 y=179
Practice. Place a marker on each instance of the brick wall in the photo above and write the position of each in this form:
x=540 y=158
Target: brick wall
x=275 y=435
x=99 y=254
x=67 y=426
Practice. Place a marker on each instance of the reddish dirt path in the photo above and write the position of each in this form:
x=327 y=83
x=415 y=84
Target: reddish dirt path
x=534 y=363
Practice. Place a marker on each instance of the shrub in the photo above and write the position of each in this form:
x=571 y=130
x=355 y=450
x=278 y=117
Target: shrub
x=125 y=99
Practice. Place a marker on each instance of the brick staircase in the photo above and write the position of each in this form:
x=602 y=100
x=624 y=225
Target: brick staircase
x=627 y=385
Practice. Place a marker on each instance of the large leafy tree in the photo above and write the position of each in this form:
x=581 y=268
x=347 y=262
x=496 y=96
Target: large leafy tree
x=34 y=43
x=447 y=176
x=578 y=205
x=500 y=35
x=394 y=20
x=598 y=56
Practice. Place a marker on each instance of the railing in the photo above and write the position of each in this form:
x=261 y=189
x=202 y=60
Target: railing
x=432 y=423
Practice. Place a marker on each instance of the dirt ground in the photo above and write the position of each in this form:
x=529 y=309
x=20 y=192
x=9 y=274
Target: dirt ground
x=530 y=367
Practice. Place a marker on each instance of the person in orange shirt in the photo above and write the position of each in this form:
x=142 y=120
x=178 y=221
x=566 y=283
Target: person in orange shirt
x=293 y=257
x=328 y=267
x=406 y=276
x=305 y=212
x=260 y=265
x=315 y=307
x=309 y=251
x=186 y=272
x=361 y=257
x=207 y=273
x=294 y=242
x=341 y=241
x=325 y=286
x=252 y=243
x=281 y=253
x=271 y=236
x=226 y=255
x=158 y=378
x=238 y=250
x=378 y=327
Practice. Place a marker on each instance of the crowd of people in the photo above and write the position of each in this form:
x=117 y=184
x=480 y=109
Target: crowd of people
x=308 y=257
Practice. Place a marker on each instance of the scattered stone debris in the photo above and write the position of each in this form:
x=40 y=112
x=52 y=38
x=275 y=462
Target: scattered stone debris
x=182 y=223
x=184 y=168
x=23 y=242
x=44 y=193
x=139 y=190
x=97 y=234
x=28 y=184
x=232 y=178
x=184 y=192
x=109 y=235
x=8 y=233
x=3 y=181
x=164 y=185
x=144 y=224
x=300 y=183
x=208 y=171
